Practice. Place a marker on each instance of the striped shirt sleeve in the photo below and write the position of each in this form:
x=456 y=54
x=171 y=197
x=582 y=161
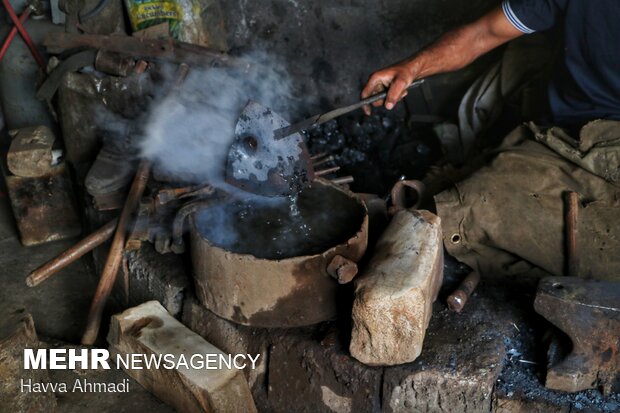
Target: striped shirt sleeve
x=529 y=16
x=514 y=19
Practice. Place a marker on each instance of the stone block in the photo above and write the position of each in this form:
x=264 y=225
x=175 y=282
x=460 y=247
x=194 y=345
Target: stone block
x=395 y=292
x=30 y=153
x=150 y=329
x=16 y=333
x=457 y=370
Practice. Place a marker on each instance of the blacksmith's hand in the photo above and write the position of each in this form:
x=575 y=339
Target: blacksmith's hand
x=395 y=79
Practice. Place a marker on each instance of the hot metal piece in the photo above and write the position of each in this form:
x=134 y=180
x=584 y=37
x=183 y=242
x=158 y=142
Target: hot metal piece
x=589 y=312
x=258 y=163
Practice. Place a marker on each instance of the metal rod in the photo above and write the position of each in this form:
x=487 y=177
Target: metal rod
x=324 y=160
x=72 y=254
x=343 y=180
x=115 y=256
x=319 y=155
x=106 y=282
x=571 y=216
x=457 y=300
x=325 y=117
x=327 y=171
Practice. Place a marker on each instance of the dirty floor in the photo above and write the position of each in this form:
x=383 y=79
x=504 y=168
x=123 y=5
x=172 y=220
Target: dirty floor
x=59 y=308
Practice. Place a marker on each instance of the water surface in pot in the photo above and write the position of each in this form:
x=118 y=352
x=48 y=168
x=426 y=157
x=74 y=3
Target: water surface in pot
x=318 y=218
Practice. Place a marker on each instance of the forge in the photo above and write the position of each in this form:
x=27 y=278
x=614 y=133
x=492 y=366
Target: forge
x=200 y=183
x=264 y=263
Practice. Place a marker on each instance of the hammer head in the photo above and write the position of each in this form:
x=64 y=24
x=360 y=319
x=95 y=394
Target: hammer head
x=260 y=164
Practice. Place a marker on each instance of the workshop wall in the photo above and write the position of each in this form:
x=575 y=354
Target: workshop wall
x=331 y=46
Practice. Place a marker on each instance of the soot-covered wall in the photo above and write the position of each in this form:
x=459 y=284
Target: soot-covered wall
x=331 y=46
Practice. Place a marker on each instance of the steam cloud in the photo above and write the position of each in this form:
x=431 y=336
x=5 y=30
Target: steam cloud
x=188 y=134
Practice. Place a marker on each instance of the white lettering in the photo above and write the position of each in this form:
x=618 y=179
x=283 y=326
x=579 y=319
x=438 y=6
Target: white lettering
x=32 y=362
x=211 y=360
x=239 y=366
x=57 y=359
x=74 y=358
x=136 y=361
x=199 y=365
x=122 y=360
x=100 y=356
x=253 y=361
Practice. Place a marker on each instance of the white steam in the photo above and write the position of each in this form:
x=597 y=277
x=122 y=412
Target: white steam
x=189 y=133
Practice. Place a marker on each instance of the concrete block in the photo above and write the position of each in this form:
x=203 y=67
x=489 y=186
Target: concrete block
x=150 y=329
x=30 y=153
x=16 y=333
x=394 y=294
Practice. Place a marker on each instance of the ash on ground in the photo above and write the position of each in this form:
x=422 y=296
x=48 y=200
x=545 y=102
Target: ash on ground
x=523 y=375
x=376 y=150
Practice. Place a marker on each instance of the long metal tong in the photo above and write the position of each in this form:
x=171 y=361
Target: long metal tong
x=322 y=118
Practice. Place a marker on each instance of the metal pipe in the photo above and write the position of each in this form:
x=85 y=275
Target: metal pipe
x=457 y=300
x=71 y=255
x=22 y=31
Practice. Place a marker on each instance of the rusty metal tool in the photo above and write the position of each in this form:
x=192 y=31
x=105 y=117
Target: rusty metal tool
x=588 y=311
x=570 y=222
x=259 y=164
x=316 y=120
x=104 y=288
x=72 y=254
x=457 y=300
x=111 y=267
x=159 y=50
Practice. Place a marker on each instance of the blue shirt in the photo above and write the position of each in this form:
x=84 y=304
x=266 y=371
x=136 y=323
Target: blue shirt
x=586 y=84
